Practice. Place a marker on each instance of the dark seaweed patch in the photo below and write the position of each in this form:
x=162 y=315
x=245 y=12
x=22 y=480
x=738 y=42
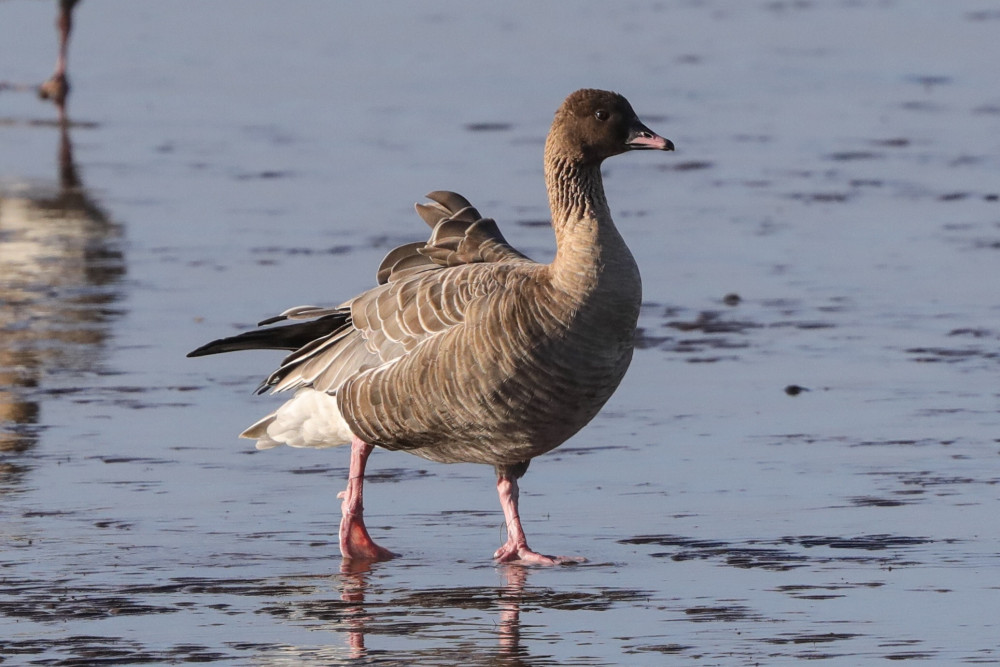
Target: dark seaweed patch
x=86 y=650
x=928 y=80
x=983 y=15
x=659 y=648
x=267 y=174
x=205 y=586
x=769 y=559
x=783 y=554
x=847 y=156
x=821 y=197
x=644 y=340
x=130 y=459
x=673 y=540
x=866 y=542
x=733 y=555
x=874 y=501
x=319 y=470
x=917 y=481
x=60 y=601
x=395 y=475
x=808 y=638
x=689 y=165
x=488 y=127
x=805 y=325
x=892 y=443
x=712 y=322
x=829 y=591
x=951 y=355
x=717 y=331
x=57 y=606
x=295 y=251
x=727 y=613
x=954 y=196
x=894 y=142
x=909 y=655
x=534 y=223
x=487 y=598
x=374 y=476
x=974 y=332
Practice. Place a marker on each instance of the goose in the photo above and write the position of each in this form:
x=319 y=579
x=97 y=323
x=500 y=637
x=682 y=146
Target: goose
x=467 y=350
x=56 y=87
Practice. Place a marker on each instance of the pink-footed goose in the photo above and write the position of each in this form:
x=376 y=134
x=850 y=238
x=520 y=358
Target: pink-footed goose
x=467 y=350
x=56 y=87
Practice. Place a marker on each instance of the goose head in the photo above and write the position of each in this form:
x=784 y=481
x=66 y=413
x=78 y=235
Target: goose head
x=593 y=125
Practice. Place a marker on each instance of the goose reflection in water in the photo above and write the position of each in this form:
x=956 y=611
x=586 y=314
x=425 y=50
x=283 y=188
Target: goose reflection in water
x=61 y=264
x=457 y=625
x=359 y=618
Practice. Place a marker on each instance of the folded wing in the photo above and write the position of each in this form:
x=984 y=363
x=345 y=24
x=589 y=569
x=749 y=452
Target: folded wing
x=424 y=289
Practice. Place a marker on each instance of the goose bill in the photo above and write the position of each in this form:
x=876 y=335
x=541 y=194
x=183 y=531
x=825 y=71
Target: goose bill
x=642 y=138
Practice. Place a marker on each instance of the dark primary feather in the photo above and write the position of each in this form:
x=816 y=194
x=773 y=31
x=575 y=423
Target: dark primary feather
x=287 y=337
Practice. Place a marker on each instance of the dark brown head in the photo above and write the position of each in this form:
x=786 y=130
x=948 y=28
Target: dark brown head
x=592 y=125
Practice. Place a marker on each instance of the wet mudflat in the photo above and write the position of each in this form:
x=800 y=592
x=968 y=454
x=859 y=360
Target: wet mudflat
x=803 y=462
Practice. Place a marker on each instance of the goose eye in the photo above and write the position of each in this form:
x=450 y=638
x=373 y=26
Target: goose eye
x=601 y=114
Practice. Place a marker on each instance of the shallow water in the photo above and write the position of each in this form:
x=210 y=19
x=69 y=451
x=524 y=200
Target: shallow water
x=803 y=462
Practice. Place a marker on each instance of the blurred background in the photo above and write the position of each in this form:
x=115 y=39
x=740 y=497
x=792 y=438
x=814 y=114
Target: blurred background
x=803 y=461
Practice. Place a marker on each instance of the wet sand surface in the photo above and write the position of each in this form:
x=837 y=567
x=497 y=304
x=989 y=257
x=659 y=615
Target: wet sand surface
x=803 y=462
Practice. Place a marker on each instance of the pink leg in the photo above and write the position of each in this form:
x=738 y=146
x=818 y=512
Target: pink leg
x=354 y=539
x=516 y=547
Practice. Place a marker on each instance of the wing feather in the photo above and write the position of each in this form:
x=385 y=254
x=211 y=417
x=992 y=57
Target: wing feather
x=460 y=235
x=424 y=290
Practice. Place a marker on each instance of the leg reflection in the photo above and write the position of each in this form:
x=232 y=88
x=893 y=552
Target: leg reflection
x=514 y=578
x=353 y=585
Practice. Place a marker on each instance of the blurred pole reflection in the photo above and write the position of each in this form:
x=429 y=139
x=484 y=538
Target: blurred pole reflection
x=61 y=265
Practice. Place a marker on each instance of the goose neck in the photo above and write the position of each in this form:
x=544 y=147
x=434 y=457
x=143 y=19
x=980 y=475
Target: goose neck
x=588 y=245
